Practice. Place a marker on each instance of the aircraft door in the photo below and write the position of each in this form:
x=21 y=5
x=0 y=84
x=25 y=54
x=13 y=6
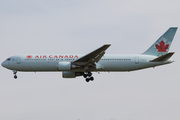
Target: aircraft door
x=18 y=60
x=136 y=60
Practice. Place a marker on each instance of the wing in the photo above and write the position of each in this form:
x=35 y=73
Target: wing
x=88 y=61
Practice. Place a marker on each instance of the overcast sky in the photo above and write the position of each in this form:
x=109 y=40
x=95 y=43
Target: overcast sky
x=78 y=26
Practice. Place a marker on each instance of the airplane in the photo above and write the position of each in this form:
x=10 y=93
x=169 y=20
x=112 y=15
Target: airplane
x=73 y=65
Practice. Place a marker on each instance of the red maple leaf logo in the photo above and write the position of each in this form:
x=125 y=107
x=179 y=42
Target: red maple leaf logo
x=29 y=56
x=162 y=47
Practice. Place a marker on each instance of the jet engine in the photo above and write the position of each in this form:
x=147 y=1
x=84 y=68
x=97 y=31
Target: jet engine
x=66 y=66
x=70 y=74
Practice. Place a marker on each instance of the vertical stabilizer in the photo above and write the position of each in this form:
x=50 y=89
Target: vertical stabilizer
x=162 y=45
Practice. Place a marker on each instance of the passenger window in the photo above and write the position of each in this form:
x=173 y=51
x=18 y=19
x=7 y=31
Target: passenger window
x=8 y=59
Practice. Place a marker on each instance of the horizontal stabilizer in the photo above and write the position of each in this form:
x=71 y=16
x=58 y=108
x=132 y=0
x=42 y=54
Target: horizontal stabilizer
x=163 y=57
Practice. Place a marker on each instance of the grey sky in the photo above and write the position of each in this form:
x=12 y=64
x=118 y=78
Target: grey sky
x=33 y=27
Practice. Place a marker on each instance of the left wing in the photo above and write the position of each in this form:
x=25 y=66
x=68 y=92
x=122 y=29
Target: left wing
x=88 y=61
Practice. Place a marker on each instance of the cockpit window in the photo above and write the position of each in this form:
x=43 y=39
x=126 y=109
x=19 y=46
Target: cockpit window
x=8 y=59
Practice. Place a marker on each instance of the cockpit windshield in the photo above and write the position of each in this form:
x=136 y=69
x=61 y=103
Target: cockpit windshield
x=8 y=59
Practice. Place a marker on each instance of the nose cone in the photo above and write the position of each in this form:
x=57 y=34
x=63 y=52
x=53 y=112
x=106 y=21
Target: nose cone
x=3 y=64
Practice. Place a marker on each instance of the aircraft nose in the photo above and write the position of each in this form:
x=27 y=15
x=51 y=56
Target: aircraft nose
x=3 y=64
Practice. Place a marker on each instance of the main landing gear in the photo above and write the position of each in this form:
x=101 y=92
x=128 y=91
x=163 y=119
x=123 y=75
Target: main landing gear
x=14 y=72
x=88 y=76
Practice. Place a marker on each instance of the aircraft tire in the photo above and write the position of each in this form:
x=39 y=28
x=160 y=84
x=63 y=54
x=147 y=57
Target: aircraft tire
x=87 y=79
x=15 y=77
x=89 y=74
x=92 y=78
x=85 y=75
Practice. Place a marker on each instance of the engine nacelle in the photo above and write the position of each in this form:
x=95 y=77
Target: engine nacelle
x=64 y=66
x=70 y=74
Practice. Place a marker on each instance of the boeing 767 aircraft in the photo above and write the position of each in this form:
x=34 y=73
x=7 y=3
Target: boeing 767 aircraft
x=73 y=65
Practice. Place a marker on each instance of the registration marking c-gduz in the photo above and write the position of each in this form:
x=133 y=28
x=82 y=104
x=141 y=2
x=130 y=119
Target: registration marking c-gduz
x=73 y=65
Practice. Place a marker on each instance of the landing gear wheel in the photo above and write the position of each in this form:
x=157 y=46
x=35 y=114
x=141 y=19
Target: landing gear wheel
x=14 y=72
x=89 y=74
x=91 y=78
x=87 y=79
x=85 y=75
x=15 y=76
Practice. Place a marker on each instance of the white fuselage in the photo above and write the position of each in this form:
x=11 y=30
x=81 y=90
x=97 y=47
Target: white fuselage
x=73 y=65
x=109 y=62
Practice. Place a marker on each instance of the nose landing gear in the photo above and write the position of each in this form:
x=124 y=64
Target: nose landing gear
x=88 y=76
x=15 y=76
x=14 y=72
